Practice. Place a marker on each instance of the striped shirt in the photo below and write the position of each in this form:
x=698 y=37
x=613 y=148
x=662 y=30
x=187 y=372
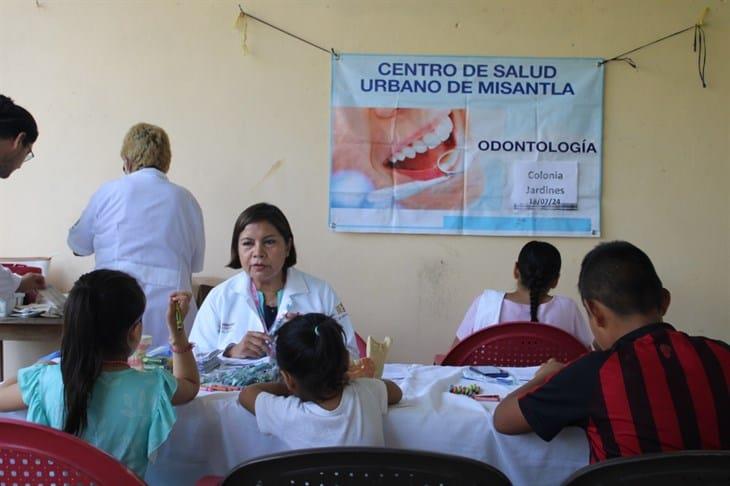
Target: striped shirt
x=655 y=390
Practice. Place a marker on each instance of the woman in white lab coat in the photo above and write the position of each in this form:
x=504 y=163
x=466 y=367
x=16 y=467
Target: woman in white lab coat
x=146 y=226
x=241 y=315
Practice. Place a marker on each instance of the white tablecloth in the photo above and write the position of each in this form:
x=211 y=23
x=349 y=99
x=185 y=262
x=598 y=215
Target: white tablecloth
x=214 y=433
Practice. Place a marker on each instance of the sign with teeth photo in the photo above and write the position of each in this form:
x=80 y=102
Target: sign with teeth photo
x=466 y=145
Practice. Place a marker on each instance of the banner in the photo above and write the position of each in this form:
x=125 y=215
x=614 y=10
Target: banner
x=466 y=145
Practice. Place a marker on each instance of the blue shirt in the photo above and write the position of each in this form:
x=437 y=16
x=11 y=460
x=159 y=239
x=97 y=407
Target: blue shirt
x=130 y=413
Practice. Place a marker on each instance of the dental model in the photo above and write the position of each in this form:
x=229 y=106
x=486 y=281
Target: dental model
x=377 y=352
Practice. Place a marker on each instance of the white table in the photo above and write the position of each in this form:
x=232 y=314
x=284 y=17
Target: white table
x=214 y=433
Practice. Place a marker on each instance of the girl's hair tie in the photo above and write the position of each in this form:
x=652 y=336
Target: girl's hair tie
x=316 y=330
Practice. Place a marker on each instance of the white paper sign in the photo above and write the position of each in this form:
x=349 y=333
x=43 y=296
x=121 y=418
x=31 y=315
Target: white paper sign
x=545 y=185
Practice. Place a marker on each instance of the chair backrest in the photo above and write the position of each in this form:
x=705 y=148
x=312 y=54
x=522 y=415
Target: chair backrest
x=515 y=344
x=362 y=346
x=665 y=469
x=34 y=454
x=364 y=466
x=203 y=291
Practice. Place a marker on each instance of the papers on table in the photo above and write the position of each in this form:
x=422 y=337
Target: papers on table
x=208 y=362
x=33 y=310
x=243 y=361
x=525 y=374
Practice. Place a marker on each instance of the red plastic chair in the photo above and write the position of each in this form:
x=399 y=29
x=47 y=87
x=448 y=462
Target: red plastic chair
x=362 y=346
x=515 y=344
x=34 y=454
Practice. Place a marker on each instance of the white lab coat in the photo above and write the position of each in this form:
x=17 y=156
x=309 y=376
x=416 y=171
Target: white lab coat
x=150 y=228
x=229 y=310
x=8 y=284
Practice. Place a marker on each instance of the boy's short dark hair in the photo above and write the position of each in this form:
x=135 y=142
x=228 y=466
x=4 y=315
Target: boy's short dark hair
x=620 y=276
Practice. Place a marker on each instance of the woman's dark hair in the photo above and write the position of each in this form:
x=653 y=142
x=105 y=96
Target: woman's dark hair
x=539 y=265
x=100 y=310
x=621 y=277
x=311 y=347
x=272 y=215
x=15 y=120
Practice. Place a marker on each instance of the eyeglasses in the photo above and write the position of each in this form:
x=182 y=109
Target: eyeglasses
x=29 y=156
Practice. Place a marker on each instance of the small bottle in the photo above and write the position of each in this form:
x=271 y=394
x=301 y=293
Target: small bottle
x=19 y=298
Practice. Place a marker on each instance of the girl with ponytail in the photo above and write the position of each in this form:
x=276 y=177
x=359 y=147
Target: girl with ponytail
x=94 y=394
x=317 y=404
x=537 y=272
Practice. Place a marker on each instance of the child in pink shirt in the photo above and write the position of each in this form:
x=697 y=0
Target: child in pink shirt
x=537 y=272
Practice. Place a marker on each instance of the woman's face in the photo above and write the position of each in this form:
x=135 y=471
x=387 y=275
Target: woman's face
x=262 y=251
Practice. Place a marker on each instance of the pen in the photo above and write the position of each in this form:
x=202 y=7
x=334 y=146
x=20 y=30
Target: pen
x=487 y=398
x=178 y=316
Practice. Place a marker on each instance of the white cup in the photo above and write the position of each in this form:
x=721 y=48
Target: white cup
x=19 y=297
x=6 y=307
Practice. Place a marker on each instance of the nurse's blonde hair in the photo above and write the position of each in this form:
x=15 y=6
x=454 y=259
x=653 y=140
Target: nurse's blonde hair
x=146 y=145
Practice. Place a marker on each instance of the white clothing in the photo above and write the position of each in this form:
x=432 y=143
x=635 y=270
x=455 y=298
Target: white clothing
x=491 y=308
x=8 y=284
x=229 y=311
x=357 y=420
x=150 y=228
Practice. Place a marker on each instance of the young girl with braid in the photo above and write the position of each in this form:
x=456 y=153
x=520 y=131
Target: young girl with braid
x=537 y=272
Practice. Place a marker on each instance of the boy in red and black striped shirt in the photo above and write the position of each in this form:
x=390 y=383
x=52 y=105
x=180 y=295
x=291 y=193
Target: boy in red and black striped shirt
x=653 y=389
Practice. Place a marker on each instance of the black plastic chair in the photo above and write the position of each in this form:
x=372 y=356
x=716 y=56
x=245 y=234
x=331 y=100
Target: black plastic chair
x=686 y=468
x=364 y=466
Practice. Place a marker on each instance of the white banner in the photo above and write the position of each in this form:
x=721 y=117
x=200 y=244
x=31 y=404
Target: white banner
x=466 y=145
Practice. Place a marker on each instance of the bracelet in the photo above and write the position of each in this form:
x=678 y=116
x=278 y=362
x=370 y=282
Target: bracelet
x=183 y=349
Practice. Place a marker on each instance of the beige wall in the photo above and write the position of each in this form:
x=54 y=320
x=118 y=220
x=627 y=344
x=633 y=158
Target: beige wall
x=255 y=127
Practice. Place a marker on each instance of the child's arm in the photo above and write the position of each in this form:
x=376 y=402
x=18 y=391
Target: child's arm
x=184 y=367
x=248 y=395
x=10 y=397
x=508 y=417
x=394 y=392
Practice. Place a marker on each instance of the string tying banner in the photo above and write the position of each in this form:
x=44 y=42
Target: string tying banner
x=699 y=45
x=245 y=15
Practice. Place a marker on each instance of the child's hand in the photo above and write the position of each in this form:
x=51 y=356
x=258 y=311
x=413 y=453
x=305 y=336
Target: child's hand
x=361 y=368
x=177 y=309
x=30 y=282
x=549 y=368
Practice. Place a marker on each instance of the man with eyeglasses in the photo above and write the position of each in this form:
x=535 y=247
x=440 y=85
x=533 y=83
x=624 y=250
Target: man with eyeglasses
x=18 y=133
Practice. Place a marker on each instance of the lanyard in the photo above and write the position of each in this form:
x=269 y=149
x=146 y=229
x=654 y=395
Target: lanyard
x=260 y=301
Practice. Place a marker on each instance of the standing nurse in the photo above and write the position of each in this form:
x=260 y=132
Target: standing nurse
x=18 y=133
x=146 y=226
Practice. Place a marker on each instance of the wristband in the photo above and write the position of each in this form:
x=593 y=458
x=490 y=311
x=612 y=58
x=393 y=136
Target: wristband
x=182 y=349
